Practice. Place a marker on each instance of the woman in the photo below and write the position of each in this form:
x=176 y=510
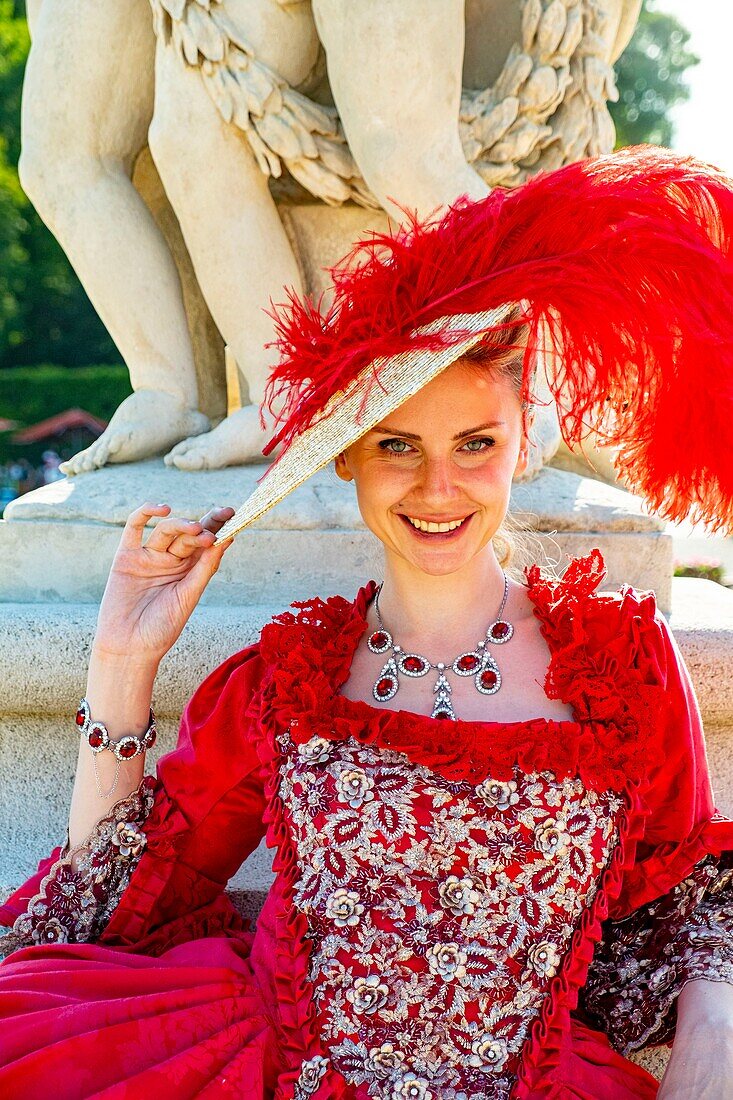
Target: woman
x=494 y=829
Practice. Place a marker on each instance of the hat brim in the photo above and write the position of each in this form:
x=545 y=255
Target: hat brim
x=350 y=415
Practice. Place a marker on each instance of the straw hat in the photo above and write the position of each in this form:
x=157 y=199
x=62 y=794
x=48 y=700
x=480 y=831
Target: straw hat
x=620 y=268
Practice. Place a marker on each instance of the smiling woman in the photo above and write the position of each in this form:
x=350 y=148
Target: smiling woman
x=499 y=865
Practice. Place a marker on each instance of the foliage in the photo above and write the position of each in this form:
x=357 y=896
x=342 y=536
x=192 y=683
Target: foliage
x=30 y=394
x=651 y=78
x=44 y=311
x=45 y=315
x=707 y=569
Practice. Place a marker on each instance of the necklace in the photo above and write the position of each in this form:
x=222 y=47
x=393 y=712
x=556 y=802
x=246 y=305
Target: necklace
x=477 y=662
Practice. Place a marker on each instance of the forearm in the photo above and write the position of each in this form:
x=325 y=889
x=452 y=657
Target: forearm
x=703 y=1004
x=119 y=691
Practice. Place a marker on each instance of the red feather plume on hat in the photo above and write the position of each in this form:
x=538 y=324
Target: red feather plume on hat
x=624 y=266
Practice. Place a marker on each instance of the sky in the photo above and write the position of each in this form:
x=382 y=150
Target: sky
x=704 y=125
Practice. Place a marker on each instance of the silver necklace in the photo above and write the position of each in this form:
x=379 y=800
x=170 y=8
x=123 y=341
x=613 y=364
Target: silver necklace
x=477 y=662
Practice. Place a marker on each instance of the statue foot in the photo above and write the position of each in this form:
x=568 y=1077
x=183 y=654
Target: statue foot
x=146 y=424
x=237 y=440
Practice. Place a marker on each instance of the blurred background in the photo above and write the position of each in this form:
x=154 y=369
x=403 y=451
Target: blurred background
x=61 y=376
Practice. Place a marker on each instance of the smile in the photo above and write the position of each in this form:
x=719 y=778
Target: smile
x=431 y=527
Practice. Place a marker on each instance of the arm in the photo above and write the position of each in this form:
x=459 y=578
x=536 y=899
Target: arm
x=673 y=923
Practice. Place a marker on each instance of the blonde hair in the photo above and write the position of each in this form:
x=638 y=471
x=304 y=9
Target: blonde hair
x=502 y=353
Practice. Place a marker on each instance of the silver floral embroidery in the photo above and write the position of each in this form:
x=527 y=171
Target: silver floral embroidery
x=312 y=1072
x=74 y=906
x=438 y=912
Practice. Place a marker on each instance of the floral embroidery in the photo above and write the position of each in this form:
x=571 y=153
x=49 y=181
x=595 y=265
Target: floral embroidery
x=74 y=906
x=312 y=1073
x=438 y=911
x=643 y=962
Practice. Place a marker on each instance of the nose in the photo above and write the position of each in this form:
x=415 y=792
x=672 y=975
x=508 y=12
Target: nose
x=437 y=482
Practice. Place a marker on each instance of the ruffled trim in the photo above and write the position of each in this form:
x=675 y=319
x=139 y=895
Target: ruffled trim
x=606 y=743
x=542 y=1051
x=308 y=655
x=297 y=1013
x=72 y=905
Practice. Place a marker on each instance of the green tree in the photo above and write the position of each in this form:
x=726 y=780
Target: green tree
x=651 y=78
x=45 y=315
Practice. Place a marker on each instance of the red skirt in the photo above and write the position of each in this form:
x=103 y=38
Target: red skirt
x=84 y=1020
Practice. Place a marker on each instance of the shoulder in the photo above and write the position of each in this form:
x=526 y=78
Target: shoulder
x=577 y=604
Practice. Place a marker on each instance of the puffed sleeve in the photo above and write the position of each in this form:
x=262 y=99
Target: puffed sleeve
x=154 y=870
x=673 y=920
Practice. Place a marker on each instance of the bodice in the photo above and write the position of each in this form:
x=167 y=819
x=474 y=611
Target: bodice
x=438 y=910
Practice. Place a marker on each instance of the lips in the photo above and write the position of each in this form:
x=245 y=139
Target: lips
x=440 y=530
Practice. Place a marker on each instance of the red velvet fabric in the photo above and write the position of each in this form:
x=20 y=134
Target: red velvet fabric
x=177 y=995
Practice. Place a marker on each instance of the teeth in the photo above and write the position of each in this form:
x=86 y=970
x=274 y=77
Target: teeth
x=433 y=528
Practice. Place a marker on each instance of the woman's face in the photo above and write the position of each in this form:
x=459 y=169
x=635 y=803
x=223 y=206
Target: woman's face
x=433 y=478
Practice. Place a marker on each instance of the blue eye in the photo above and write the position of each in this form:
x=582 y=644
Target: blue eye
x=394 y=446
x=475 y=446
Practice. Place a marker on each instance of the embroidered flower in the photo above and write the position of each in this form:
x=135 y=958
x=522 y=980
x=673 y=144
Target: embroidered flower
x=50 y=930
x=384 y=1060
x=499 y=795
x=315 y=751
x=312 y=1073
x=128 y=838
x=411 y=1087
x=355 y=787
x=459 y=895
x=550 y=838
x=543 y=958
x=447 y=960
x=487 y=1051
x=662 y=978
x=368 y=995
x=344 y=908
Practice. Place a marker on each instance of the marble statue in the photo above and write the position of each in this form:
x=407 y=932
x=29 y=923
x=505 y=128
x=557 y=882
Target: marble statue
x=382 y=104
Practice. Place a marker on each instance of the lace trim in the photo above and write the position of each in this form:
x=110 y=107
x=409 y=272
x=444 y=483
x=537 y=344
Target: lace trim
x=644 y=961
x=73 y=906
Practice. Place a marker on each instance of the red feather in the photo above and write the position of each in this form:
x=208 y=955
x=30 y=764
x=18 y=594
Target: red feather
x=625 y=264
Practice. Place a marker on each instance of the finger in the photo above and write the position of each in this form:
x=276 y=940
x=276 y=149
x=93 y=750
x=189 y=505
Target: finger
x=174 y=531
x=215 y=518
x=132 y=532
x=201 y=573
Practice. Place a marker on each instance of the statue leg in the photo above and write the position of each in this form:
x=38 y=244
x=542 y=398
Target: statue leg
x=87 y=104
x=395 y=71
x=234 y=235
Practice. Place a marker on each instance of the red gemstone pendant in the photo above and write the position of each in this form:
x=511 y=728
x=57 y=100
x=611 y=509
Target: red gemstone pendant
x=466 y=664
x=96 y=739
x=413 y=665
x=500 y=631
x=387 y=683
x=380 y=641
x=488 y=680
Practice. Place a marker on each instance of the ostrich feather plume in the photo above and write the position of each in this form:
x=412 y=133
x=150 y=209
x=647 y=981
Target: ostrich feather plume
x=623 y=266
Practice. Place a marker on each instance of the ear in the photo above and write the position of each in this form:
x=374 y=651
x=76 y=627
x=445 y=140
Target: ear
x=341 y=467
x=525 y=447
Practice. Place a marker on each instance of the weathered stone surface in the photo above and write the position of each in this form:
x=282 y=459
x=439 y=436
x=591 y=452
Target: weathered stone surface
x=57 y=543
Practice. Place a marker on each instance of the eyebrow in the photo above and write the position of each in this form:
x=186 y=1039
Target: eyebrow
x=461 y=435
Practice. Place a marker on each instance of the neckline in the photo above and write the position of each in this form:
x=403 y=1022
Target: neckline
x=386 y=718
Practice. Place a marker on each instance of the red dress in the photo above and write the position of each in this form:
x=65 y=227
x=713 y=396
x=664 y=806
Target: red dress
x=504 y=913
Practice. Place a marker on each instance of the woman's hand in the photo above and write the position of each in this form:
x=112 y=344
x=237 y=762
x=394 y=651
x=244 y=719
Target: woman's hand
x=701 y=1063
x=153 y=588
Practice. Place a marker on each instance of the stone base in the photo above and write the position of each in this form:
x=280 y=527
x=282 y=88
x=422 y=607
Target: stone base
x=57 y=543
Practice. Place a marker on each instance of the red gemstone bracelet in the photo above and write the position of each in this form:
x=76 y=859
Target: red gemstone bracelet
x=98 y=739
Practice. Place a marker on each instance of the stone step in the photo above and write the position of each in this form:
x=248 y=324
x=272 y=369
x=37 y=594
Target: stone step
x=57 y=543
x=43 y=655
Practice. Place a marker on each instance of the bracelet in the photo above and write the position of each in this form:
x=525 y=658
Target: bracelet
x=98 y=739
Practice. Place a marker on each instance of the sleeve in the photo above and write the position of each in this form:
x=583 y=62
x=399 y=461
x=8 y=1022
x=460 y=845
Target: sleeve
x=153 y=872
x=673 y=920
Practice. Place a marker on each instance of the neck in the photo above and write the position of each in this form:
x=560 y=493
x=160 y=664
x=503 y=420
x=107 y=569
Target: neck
x=435 y=615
